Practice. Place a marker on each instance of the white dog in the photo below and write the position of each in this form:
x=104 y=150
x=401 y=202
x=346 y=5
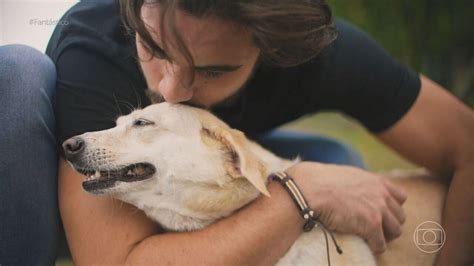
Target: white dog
x=185 y=169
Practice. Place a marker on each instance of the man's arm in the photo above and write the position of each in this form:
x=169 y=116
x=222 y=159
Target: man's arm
x=438 y=133
x=107 y=231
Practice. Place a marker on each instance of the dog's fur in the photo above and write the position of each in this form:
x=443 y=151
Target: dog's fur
x=206 y=170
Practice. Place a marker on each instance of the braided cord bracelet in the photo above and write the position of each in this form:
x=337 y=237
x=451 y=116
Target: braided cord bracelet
x=305 y=211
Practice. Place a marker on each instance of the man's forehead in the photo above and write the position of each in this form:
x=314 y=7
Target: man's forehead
x=208 y=30
x=209 y=39
x=213 y=39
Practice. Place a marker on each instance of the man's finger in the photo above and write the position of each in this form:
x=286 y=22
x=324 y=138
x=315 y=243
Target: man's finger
x=376 y=241
x=391 y=226
x=396 y=210
x=398 y=193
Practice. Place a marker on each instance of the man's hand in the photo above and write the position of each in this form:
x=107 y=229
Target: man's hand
x=352 y=200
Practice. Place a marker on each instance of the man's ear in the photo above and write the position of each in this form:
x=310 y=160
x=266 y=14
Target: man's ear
x=244 y=162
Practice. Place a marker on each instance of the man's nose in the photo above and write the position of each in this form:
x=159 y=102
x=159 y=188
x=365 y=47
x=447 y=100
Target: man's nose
x=173 y=88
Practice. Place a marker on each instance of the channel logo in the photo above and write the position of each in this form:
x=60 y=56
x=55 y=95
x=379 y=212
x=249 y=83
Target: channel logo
x=429 y=237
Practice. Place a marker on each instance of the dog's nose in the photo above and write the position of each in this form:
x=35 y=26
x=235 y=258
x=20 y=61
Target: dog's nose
x=73 y=146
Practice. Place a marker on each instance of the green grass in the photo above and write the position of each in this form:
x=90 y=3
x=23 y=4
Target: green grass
x=377 y=156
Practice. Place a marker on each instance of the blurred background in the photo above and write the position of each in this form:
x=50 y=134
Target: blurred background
x=434 y=37
x=30 y=22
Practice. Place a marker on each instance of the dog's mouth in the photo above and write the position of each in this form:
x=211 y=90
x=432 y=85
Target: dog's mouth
x=101 y=179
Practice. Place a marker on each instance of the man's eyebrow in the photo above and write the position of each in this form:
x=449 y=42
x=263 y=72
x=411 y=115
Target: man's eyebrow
x=218 y=68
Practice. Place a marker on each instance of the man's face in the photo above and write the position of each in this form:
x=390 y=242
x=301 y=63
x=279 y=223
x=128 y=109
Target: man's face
x=223 y=53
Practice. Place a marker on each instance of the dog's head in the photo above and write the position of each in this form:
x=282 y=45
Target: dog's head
x=170 y=158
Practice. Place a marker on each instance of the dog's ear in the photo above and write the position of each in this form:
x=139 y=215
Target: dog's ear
x=243 y=162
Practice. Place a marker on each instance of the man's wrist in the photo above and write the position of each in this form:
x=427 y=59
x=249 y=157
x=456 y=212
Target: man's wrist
x=281 y=200
x=310 y=186
x=298 y=198
x=302 y=205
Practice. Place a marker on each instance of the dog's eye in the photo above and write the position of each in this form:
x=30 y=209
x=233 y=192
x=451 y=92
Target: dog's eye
x=142 y=122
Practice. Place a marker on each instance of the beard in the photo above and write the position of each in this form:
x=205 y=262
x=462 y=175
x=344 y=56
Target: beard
x=156 y=97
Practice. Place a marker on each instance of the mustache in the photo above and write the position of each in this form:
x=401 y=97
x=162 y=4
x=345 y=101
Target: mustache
x=155 y=97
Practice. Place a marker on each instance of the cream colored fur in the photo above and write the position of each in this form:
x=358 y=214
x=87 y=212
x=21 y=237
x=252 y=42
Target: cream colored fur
x=206 y=171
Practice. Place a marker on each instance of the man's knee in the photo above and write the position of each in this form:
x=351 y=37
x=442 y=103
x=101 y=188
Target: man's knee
x=340 y=153
x=289 y=144
x=26 y=74
x=27 y=89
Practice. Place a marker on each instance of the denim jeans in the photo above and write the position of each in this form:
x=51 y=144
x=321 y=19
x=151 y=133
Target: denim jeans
x=289 y=144
x=30 y=227
x=29 y=217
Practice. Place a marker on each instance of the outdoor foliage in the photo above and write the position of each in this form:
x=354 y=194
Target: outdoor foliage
x=435 y=37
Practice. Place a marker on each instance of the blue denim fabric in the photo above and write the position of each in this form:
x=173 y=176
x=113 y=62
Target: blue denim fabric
x=29 y=217
x=289 y=144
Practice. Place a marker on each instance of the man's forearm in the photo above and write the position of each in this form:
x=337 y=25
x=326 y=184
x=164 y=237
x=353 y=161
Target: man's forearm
x=258 y=234
x=458 y=220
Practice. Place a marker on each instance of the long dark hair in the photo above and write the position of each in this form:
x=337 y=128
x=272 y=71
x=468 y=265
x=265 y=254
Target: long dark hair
x=287 y=32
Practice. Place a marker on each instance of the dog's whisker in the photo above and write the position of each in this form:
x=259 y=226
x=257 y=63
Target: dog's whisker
x=127 y=104
x=139 y=101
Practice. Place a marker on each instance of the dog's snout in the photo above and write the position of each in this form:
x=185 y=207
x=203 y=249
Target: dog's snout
x=73 y=146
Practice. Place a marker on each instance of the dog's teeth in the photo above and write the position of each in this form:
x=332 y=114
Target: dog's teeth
x=97 y=173
x=139 y=170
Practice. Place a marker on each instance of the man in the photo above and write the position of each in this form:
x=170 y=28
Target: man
x=233 y=58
